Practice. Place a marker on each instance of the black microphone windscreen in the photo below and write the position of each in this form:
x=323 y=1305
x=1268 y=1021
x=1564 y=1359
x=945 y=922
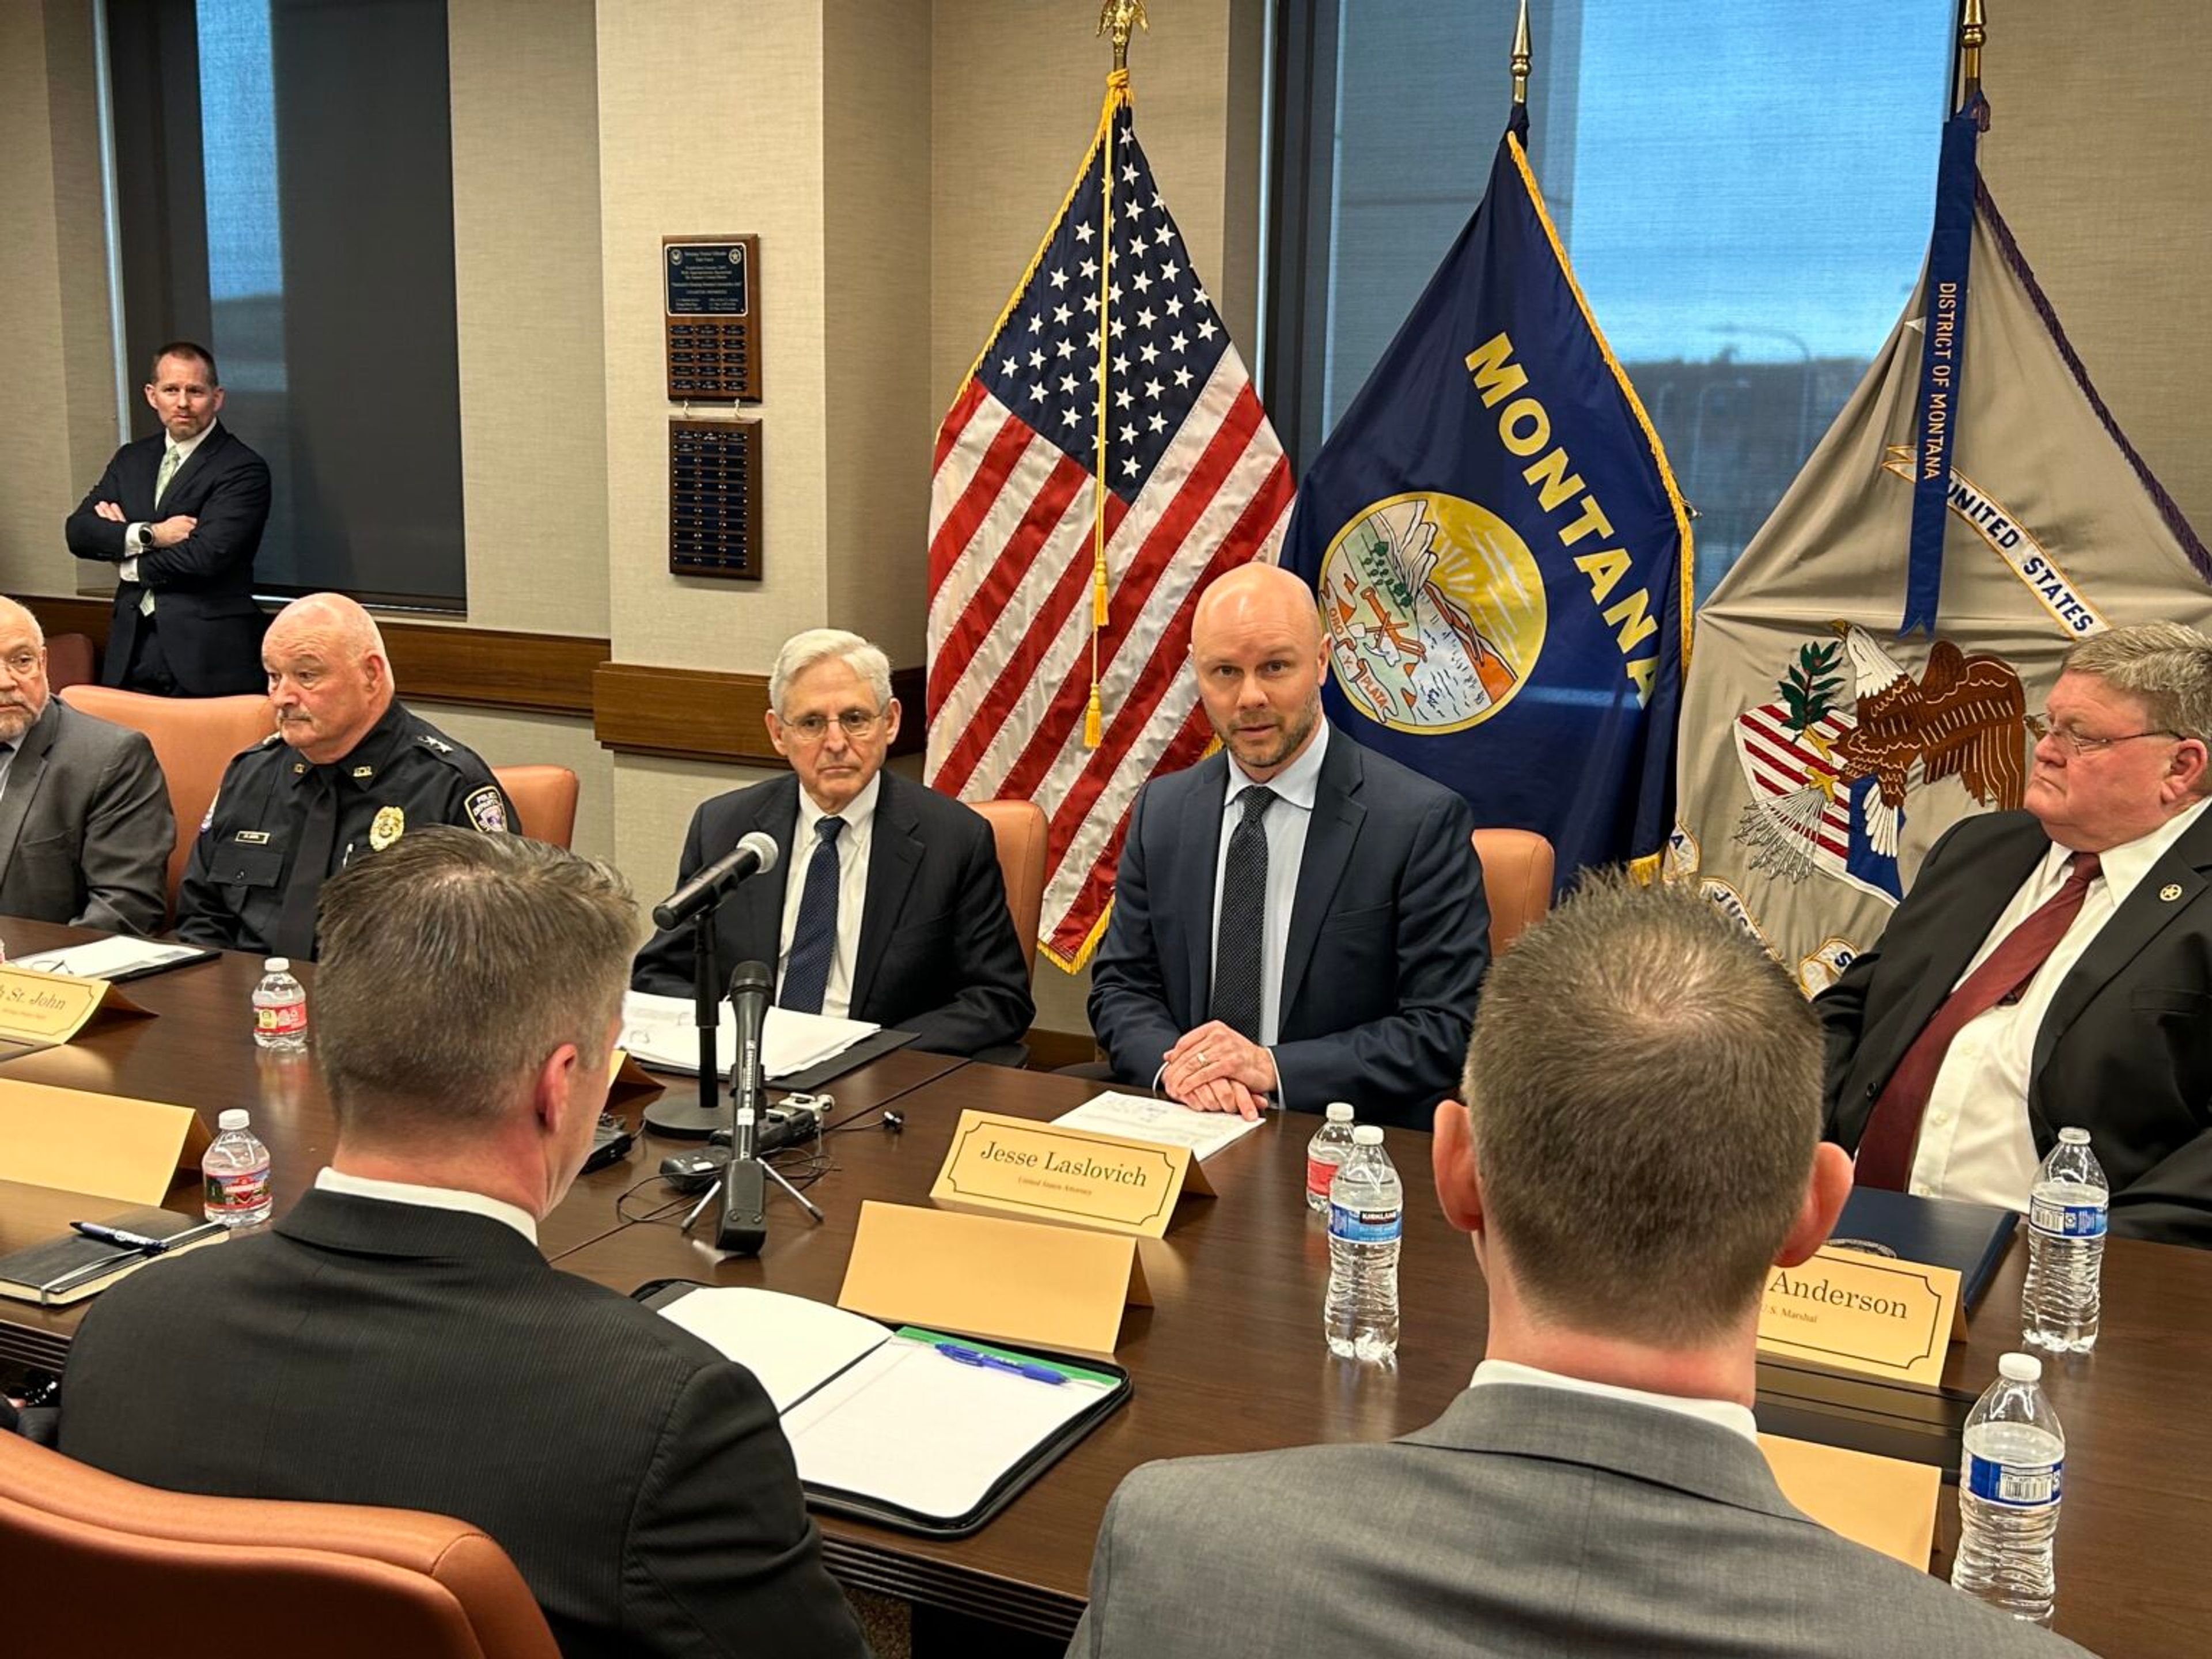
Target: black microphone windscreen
x=752 y=976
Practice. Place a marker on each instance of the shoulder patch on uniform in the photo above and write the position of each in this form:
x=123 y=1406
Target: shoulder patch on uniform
x=487 y=810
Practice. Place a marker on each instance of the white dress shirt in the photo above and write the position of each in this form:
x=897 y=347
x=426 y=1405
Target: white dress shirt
x=859 y=816
x=1726 y=1414
x=1285 y=824
x=328 y=1180
x=135 y=535
x=1975 y=1143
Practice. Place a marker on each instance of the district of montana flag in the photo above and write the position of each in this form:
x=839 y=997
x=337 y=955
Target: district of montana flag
x=1110 y=363
x=1822 y=754
x=1501 y=557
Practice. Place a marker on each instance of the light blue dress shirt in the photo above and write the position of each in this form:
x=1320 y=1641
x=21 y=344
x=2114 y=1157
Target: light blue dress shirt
x=1295 y=787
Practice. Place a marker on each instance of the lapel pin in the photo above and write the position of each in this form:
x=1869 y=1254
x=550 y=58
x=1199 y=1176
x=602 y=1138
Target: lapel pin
x=2171 y=891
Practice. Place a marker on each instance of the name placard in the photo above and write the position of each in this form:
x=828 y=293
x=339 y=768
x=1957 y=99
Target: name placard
x=37 y=1010
x=116 y=1147
x=1851 y=1311
x=1047 y=1172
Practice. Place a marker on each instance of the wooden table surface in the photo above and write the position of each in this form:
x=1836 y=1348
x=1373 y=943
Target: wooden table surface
x=1231 y=1357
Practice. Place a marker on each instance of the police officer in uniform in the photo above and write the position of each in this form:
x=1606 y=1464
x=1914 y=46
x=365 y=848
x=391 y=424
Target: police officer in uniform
x=348 y=772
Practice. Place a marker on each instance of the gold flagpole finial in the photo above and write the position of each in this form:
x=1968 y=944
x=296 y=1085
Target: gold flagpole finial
x=1122 y=19
x=1971 y=33
x=1521 y=57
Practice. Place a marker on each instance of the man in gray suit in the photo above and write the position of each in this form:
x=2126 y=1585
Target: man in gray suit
x=85 y=826
x=1642 y=1144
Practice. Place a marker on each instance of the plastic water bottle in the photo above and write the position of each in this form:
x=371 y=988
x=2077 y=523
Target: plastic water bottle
x=280 y=1007
x=2008 y=1490
x=1366 y=1217
x=1325 y=1152
x=2059 y=1300
x=236 y=1171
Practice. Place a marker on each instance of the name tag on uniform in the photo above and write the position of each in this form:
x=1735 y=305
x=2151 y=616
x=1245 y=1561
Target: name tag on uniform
x=252 y=837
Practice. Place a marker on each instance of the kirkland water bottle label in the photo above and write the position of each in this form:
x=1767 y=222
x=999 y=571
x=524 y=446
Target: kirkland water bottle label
x=1366 y=1226
x=2020 y=1485
x=2067 y=1220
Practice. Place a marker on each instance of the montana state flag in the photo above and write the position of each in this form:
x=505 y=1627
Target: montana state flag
x=1501 y=557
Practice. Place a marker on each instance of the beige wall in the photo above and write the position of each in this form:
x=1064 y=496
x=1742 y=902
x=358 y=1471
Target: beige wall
x=2100 y=155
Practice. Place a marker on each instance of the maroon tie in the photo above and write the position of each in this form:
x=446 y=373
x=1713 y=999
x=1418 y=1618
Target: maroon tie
x=1893 y=1129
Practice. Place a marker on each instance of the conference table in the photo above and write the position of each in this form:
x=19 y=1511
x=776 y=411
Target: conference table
x=1229 y=1355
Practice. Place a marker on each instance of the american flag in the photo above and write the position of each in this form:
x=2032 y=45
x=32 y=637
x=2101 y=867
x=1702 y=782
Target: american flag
x=1195 y=483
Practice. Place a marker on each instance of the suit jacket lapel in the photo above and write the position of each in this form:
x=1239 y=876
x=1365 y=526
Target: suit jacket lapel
x=1188 y=897
x=2132 y=927
x=893 y=855
x=752 y=911
x=1983 y=889
x=1330 y=836
x=24 y=775
x=195 y=463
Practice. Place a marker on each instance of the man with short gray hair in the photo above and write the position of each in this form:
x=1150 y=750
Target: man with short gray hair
x=85 y=826
x=887 y=903
x=2051 y=967
x=1640 y=1147
x=397 y=1339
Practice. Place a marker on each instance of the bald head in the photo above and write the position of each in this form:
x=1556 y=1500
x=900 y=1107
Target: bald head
x=22 y=671
x=1255 y=645
x=328 y=675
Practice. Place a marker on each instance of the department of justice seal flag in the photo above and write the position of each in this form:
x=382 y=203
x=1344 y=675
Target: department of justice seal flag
x=1498 y=550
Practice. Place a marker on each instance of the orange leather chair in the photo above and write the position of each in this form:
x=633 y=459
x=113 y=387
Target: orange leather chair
x=1018 y=827
x=1517 y=878
x=545 y=799
x=193 y=737
x=101 y=1565
x=69 y=662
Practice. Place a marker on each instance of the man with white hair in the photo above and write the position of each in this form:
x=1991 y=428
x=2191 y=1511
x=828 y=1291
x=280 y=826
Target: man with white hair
x=2051 y=967
x=347 y=772
x=85 y=827
x=887 y=904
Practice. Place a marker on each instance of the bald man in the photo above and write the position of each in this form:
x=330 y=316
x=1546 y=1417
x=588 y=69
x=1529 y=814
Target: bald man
x=348 y=772
x=1296 y=920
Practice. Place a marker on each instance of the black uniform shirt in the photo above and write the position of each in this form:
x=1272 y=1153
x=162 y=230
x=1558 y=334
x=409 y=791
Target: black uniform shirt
x=404 y=775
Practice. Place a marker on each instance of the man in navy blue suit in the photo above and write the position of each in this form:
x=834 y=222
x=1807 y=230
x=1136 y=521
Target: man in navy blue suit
x=181 y=517
x=1295 y=916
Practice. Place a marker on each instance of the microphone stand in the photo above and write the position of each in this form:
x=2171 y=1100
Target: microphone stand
x=697 y=1121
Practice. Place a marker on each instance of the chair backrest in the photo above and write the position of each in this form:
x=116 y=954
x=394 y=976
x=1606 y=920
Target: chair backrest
x=1517 y=878
x=69 y=662
x=193 y=737
x=1018 y=828
x=101 y=1565
x=545 y=799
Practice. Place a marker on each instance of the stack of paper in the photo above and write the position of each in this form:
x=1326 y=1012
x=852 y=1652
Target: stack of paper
x=664 y=1031
x=1141 y=1117
x=112 y=959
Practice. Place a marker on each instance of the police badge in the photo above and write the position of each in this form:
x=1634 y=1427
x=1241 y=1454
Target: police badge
x=391 y=823
x=487 y=811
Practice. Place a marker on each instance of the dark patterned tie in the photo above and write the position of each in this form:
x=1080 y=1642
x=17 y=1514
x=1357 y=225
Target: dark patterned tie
x=806 y=977
x=1243 y=923
x=311 y=862
x=1893 y=1129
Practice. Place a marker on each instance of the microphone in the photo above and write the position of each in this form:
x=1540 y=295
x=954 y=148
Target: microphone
x=754 y=854
x=744 y=1184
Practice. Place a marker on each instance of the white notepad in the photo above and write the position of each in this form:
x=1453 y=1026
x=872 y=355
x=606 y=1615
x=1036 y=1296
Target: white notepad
x=109 y=958
x=663 y=1032
x=1172 y=1123
x=885 y=1416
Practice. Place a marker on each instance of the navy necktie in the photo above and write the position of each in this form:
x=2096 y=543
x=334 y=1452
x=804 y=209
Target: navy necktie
x=1239 y=927
x=311 y=862
x=814 y=940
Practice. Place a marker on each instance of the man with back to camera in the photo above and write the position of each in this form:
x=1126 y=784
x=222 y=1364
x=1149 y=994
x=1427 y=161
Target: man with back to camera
x=181 y=516
x=887 y=903
x=2051 y=967
x=349 y=771
x=1295 y=916
x=398 y=1339
x=85 y=825
x=1641 y=1145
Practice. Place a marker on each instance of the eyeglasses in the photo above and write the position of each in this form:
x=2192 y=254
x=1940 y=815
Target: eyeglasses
x=21 y=663
x=813 y=728
x=2076 y=744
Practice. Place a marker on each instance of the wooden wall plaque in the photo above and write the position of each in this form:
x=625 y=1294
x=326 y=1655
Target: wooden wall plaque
x=715 y=498
x=711 y=299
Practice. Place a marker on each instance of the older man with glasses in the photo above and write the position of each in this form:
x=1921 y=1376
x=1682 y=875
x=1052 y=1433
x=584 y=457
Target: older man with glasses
x=85 y=826
x=2051 y=967
x=887 y=904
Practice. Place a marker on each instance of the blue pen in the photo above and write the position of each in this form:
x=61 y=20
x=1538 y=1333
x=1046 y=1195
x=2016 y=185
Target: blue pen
x=991 y=1362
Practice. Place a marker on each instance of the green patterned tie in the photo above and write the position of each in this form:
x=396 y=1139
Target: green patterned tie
x=170 y=462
